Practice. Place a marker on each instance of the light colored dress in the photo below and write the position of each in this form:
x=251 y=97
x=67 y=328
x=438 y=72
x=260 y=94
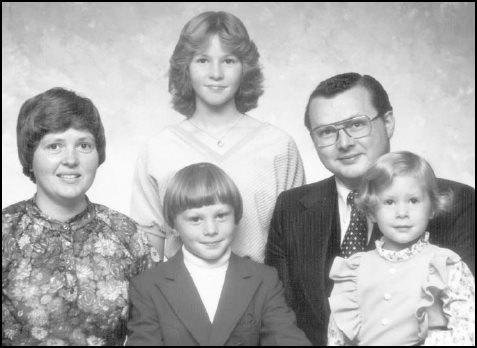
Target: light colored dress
x=262 y=164
x=422 y=294
x=66 y=283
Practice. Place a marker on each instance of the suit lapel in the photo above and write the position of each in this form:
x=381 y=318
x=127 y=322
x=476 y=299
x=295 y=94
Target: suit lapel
x=180 y=291
x=375 y=235
x=318 y=246
x=239 y=288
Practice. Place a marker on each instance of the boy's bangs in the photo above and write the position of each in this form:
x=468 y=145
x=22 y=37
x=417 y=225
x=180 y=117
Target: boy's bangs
x=203 y=192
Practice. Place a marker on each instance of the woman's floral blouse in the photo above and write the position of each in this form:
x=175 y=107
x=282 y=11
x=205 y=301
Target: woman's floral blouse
x=66 y=283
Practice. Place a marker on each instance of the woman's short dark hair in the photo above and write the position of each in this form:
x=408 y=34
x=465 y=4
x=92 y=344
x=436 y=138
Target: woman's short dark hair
x=234 y=37
x=53 y=111
x=198 y=185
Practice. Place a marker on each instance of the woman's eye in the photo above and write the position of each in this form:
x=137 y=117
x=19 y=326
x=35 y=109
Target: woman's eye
x=55 y=147
x=230 y=61
x=86 y=147
x=201 y=60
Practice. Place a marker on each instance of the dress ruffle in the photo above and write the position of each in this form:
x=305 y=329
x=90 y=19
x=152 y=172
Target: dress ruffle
x=428 y=314
x=344 y=301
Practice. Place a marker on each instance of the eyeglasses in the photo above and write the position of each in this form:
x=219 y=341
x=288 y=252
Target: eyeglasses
x=355 y=127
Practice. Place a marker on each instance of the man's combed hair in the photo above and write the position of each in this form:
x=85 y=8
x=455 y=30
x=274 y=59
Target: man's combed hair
x=199 y=185
x=234 y=37
x=403 y=163
x=343 y=82
x=54 y=111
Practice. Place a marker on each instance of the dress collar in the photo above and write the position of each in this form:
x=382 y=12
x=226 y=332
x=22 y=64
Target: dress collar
x=72 y=224
x=404 y=254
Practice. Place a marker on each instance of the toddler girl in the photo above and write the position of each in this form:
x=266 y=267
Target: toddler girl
x=406 y=291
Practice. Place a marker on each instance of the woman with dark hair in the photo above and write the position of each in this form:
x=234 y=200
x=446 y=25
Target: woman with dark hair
x=66 y=262
x=214 y=79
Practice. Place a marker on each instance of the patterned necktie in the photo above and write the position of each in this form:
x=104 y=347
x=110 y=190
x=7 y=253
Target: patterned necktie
x=356 y=236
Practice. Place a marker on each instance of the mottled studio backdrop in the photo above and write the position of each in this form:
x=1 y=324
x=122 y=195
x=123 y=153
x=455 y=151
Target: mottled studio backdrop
x=117 y=54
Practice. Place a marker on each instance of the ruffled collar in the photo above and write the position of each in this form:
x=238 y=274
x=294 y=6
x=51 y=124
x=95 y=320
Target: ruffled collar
x=73 y=224
x=404 y=254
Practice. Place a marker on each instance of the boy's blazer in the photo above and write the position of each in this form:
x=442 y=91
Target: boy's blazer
x=304 y=239
x=166 y=309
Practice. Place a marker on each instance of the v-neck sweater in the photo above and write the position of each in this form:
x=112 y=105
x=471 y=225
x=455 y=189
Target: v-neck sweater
x=262 y=164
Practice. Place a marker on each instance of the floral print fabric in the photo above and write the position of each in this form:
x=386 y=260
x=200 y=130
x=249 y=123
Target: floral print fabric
x=66 y=283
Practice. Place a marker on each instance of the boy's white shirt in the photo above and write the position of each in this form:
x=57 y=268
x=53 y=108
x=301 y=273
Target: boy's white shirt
x=208 y=279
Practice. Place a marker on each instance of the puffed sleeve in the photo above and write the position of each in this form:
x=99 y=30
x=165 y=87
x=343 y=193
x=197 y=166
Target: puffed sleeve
x=451 y=282
x=335 y=335
x=344 y=303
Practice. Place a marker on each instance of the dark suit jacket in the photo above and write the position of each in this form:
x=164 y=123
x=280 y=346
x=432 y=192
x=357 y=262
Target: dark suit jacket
x=304 y=239
x=166 y=309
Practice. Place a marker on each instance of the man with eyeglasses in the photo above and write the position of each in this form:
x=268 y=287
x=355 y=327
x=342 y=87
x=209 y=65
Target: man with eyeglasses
x=351 y=121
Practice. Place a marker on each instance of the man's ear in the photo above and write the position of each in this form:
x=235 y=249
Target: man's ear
x=175 y=233
x=388 y=118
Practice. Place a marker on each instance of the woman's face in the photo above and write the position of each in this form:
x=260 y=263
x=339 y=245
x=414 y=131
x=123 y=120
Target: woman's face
x=216 y=75
x=64 y=165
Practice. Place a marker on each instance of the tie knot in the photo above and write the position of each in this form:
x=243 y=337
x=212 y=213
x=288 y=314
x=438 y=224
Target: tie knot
x=352 y=196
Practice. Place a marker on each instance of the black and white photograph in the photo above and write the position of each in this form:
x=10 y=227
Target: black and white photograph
x=266 y=173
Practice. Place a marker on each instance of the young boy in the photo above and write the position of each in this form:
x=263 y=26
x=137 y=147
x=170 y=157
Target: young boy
x=205 y=294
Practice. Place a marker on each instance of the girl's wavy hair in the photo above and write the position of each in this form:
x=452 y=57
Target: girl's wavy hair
x=402 y=163
x=53 y=111
x=199 y=185
x=234 y=38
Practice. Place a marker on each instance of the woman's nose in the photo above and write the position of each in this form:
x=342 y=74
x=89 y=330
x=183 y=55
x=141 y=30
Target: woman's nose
x=216 y=71
x=70 y=157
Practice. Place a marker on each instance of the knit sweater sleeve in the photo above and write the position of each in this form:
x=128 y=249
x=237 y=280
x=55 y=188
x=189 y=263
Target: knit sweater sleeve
x=288 y=166
x=146 y=202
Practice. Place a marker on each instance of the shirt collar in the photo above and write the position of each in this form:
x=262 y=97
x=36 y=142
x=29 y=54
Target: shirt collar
x=343 y=192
